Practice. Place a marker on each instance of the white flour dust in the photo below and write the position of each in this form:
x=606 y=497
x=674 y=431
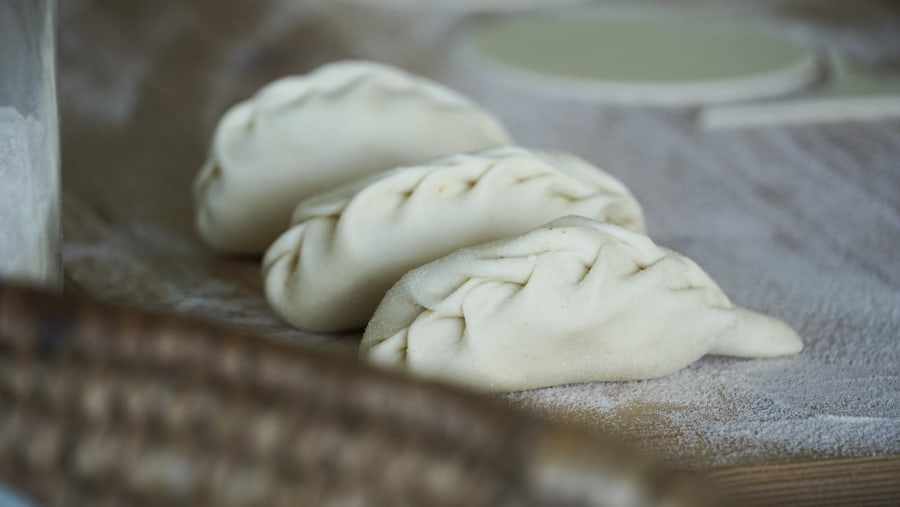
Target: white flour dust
x=724 y=412
x=29 y=186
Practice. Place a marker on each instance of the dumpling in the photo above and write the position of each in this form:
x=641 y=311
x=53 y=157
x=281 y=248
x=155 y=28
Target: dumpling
x=573 y=301
x=302 y=135
x=347 y=247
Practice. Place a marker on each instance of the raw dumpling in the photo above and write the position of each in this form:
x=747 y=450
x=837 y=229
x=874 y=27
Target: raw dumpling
x=347 y=247
x=573 y=301
x=305 y=134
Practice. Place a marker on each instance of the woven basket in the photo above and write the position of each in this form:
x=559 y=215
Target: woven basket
x=109 y=406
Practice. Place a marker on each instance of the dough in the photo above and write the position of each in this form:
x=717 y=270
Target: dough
x=305 y=134
x=573 y=301
x=644 y=57
x=347 y=247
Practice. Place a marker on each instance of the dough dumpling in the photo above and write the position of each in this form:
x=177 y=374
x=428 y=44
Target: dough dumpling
x=347 y=247
x=302 y=135
x=573 y=301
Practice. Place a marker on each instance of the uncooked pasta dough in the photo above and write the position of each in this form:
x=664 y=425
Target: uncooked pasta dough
x=347 y=247
x=573 y=301
x=305 y=134
x=644 y=56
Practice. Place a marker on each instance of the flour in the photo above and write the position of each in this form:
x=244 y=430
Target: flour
x=829 y=269
x=798 y=222
x=29 y=189
x=721 y=412
x=124 y=269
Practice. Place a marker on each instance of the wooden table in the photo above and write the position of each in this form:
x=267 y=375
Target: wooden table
x=803 y=222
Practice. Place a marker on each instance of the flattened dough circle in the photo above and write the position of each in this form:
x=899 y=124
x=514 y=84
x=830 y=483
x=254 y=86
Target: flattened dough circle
x=645 y=58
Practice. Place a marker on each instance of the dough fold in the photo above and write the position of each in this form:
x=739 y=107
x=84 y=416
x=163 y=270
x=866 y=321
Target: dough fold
x=348 y=246
x=573 y=301
x=301 y=135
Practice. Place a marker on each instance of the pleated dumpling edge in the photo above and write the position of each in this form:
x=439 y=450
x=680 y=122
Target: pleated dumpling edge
x=349 y=245
x=301 y=135
x=573 y=301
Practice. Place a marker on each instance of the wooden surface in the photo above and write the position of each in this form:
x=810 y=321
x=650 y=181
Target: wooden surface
x=801 y=222
x=864 y=481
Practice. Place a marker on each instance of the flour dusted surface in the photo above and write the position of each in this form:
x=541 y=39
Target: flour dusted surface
x=815 y=250
x=839 y=397
x=731 y=412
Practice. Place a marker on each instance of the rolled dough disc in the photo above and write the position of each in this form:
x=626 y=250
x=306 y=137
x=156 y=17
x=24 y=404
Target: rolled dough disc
x=647 y=58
